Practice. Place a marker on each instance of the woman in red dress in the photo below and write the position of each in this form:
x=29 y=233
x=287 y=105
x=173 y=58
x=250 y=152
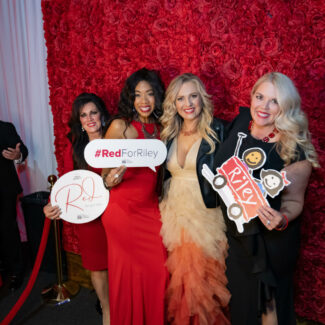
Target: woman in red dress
x=89 y=120
x=136 y=255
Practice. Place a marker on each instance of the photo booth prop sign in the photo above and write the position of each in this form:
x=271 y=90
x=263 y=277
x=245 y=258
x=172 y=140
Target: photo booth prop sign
x=241 y=192
x=81 y=196
x=110 y=153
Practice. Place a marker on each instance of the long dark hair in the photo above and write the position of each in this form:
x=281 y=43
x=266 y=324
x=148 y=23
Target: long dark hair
x=79 y=138
x=126 y=103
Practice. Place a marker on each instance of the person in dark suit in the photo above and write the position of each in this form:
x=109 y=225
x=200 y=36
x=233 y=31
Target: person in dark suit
x=12 y=150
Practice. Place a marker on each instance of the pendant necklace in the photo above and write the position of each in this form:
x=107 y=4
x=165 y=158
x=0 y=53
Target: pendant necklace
x=268 y=137
x=147 y=134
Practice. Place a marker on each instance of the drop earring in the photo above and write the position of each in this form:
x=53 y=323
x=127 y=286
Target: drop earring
x=135 y=113
x=82 y=129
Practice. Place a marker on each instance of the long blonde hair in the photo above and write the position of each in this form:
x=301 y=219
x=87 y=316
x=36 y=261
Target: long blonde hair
x=172 y=121
x=291 y=121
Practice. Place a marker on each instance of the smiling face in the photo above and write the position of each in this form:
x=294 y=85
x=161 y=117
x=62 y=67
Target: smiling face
x=90 y=120
x=271 y=181
x=188 y=102
x=264 y=105
x=254 y=158
x=144 y=101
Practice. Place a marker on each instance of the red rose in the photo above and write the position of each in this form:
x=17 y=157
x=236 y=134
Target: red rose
x=152 y=7
x=123 y=35
x=161 y=24
x=206 y=7
x=112 y=16
x=261 y=69
x=170 y=71
x=218 y=25
x=65 y=116
x=208 y=66
x=217 y=49
x=298 y=19
x=231 y=4
x=81 y=25
x=129 y=15
x=285 y=66
x=245 y=27
x=170 y=4
x=317 y=21
x=53 y=29
x=163 y=52
x=232 y=69
x=270 y=46
x=317 y=68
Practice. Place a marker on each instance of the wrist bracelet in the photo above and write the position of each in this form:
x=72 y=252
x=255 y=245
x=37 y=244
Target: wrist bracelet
x=104 y=182
x=286 y=224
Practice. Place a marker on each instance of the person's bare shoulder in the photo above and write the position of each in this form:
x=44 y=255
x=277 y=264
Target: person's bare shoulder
x=120 y=130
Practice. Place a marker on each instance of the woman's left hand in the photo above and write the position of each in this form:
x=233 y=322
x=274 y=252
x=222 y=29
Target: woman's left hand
x=270 y=218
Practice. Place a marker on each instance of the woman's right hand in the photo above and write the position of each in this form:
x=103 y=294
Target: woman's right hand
x=52 y=212
x=114 y=176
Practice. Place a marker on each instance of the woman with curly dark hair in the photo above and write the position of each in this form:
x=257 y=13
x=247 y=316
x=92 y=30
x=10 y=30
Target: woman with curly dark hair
x=89 y=121
x=136 y=256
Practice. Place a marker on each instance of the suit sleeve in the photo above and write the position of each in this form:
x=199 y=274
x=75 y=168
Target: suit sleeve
x=16 y=139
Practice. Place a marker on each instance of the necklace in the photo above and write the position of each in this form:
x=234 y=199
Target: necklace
x=188 y=133
x=147 y=134
x=268 y=137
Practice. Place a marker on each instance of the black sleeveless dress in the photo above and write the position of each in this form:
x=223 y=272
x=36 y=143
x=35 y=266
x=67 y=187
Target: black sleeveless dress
x=260 y=263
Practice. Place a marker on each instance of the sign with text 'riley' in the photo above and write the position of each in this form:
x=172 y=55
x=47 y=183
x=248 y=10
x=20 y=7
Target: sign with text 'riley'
x=240 y=191
x=81 y=196
x=110 y=153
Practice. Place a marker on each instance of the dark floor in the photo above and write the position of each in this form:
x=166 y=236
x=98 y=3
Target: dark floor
x=80 y=310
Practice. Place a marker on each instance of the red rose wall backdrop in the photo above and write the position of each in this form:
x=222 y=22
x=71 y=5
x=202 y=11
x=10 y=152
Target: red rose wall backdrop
x=94 y=45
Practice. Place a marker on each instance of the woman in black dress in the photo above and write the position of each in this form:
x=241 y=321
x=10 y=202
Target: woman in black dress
x=262 y=258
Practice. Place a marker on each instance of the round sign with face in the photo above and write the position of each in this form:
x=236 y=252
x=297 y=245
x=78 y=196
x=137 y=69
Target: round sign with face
x=81 y=195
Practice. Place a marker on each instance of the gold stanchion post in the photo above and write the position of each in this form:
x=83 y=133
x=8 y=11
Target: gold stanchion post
x=59 y=292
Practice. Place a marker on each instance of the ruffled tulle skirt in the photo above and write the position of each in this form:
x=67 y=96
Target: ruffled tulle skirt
x=197 y=245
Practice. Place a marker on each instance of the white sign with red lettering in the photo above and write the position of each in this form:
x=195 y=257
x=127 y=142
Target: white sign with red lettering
x=110 y=153
x=81 y=196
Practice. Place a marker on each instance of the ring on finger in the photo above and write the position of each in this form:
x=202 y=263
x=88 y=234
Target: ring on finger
x=116 y=176
x=268 y=222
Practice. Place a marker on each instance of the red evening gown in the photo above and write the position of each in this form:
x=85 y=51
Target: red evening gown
x=91 y=235
x=136 y=255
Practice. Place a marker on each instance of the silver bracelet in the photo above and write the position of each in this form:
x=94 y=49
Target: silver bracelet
x=104 y=182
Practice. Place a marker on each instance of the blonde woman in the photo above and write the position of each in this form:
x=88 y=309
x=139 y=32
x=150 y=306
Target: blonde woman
x=193 y=229
x=261 y=260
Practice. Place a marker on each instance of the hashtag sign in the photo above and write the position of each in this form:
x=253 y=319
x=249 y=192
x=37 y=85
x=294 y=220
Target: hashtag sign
x=97 y=154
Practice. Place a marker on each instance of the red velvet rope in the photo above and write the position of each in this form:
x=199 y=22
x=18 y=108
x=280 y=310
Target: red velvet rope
x=32 y=279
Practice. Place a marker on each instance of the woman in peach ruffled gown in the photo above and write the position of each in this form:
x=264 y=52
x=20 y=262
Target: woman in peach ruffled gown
x=193 y=229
